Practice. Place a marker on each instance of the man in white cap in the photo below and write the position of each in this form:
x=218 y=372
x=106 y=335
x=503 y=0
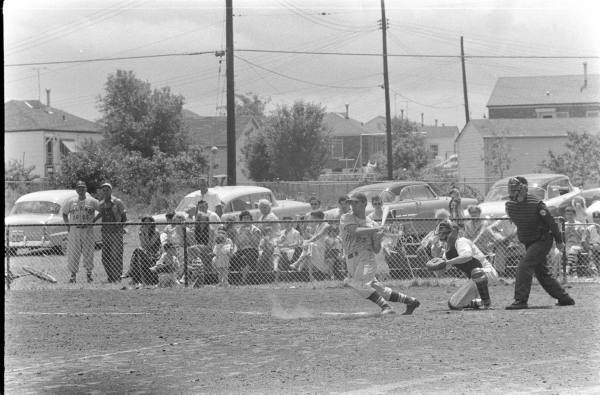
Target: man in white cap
x=78 y=214
x=113 y=214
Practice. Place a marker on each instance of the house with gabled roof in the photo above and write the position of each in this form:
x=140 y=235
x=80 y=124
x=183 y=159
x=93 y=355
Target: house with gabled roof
x=345 y=141
x=211 y=131
x=39 y=135
x=528 y=116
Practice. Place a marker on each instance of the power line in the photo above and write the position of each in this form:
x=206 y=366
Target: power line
x=581 y=57
x=111 y=59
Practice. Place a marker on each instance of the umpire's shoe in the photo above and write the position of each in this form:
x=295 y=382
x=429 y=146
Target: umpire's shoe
x=566 y=301
x=517 y=305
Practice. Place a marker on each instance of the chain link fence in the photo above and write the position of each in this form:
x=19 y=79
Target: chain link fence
x=192 y=254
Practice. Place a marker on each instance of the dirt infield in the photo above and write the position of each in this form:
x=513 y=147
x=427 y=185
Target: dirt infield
x=295 y=340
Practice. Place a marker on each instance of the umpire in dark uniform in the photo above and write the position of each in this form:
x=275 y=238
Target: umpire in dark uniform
x=536 y=229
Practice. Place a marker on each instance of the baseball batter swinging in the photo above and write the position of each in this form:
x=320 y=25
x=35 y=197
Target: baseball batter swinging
x=362 y=240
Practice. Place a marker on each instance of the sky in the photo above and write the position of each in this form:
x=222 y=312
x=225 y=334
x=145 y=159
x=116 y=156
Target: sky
x=337 y=47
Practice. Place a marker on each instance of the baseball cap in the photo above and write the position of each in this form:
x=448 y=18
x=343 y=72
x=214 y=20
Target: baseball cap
x=358 y=197
x=106 y=184
x=80 y=184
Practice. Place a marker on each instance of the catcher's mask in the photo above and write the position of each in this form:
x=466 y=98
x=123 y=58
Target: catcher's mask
x=517 y=189
x=444 y=228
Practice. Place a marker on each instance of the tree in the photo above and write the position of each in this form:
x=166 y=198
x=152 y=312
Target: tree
x=251 y=104
x=409 y=151
x=16 y=171
x=496 y=155
x=294 y=142
x=138 y=118
x=581 y=162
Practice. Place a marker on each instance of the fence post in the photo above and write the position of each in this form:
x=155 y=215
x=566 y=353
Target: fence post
x=185 y=258
x=564 y=250
x=8 y=275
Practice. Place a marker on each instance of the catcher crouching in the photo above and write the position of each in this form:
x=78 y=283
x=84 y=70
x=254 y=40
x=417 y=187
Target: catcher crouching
x=466 y=257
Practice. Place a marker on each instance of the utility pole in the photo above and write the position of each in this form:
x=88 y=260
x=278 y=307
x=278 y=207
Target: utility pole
x=386 y=85
x=464 y=77
x=231 y=159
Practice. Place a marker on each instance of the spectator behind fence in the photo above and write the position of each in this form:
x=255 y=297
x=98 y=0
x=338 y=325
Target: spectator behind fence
x=247 y=240
x=593 y=239
x=146 y=255
x=167 y=266
x=580 y=207
x=203 y=208
x=480 y=231
x=223 y=251
x=175 y=234
x=200 y=251
x=313 y=249
x=430 y=245
x=343 y=207
x=575 y=238
x=333 y=252
x=315 y=203
x=113 y=214
x=289 y=247
x=79 y=211
x=270 y=232
x=455 y=208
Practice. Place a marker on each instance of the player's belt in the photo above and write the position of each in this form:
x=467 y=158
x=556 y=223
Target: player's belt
x=350 y=256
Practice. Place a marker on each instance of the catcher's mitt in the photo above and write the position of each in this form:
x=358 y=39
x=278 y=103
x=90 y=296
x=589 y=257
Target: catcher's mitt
x=436 y=264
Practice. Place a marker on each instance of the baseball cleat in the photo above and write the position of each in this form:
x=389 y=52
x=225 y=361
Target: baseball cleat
x=517 y=305
x=411 y=305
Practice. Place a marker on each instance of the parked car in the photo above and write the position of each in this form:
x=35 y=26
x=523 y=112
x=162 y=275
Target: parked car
x=557 y=205
x=45 y=209
x=409 y=199
x=242 y=197
x=543 y=186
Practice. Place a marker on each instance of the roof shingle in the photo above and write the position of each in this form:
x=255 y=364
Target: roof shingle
x=27 y=115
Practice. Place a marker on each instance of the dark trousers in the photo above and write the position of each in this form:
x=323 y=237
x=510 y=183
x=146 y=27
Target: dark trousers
x=139 y=268
x=534 y=262
x=112 y=255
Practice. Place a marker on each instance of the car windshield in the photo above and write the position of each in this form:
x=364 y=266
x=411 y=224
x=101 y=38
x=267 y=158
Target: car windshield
x=500 y=192
x=35 y=208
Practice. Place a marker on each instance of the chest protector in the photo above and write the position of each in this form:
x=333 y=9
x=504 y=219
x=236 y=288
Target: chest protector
x=526 y=217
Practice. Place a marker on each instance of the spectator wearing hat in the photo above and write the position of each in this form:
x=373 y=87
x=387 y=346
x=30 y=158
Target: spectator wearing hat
x=574 y=237
x=593 y=239
x=247 y=240
x=114 y=215
x=343 y=208
x=146 y=255
x=78 y=215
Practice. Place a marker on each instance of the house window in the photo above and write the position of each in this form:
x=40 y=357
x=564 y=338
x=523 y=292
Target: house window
x=337 y=148
x=49 y=151
x=433 y=150
x=545 y=113
x=66 y=147
x=592 y=114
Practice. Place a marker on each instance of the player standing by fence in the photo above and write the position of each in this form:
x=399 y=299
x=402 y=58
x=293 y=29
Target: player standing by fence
x=112 y=211
x=80 y=212
x=535 y=229
x=362 y=240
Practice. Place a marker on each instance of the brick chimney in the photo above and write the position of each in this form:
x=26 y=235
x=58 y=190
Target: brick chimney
x=347 y=112
x=47 y=97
